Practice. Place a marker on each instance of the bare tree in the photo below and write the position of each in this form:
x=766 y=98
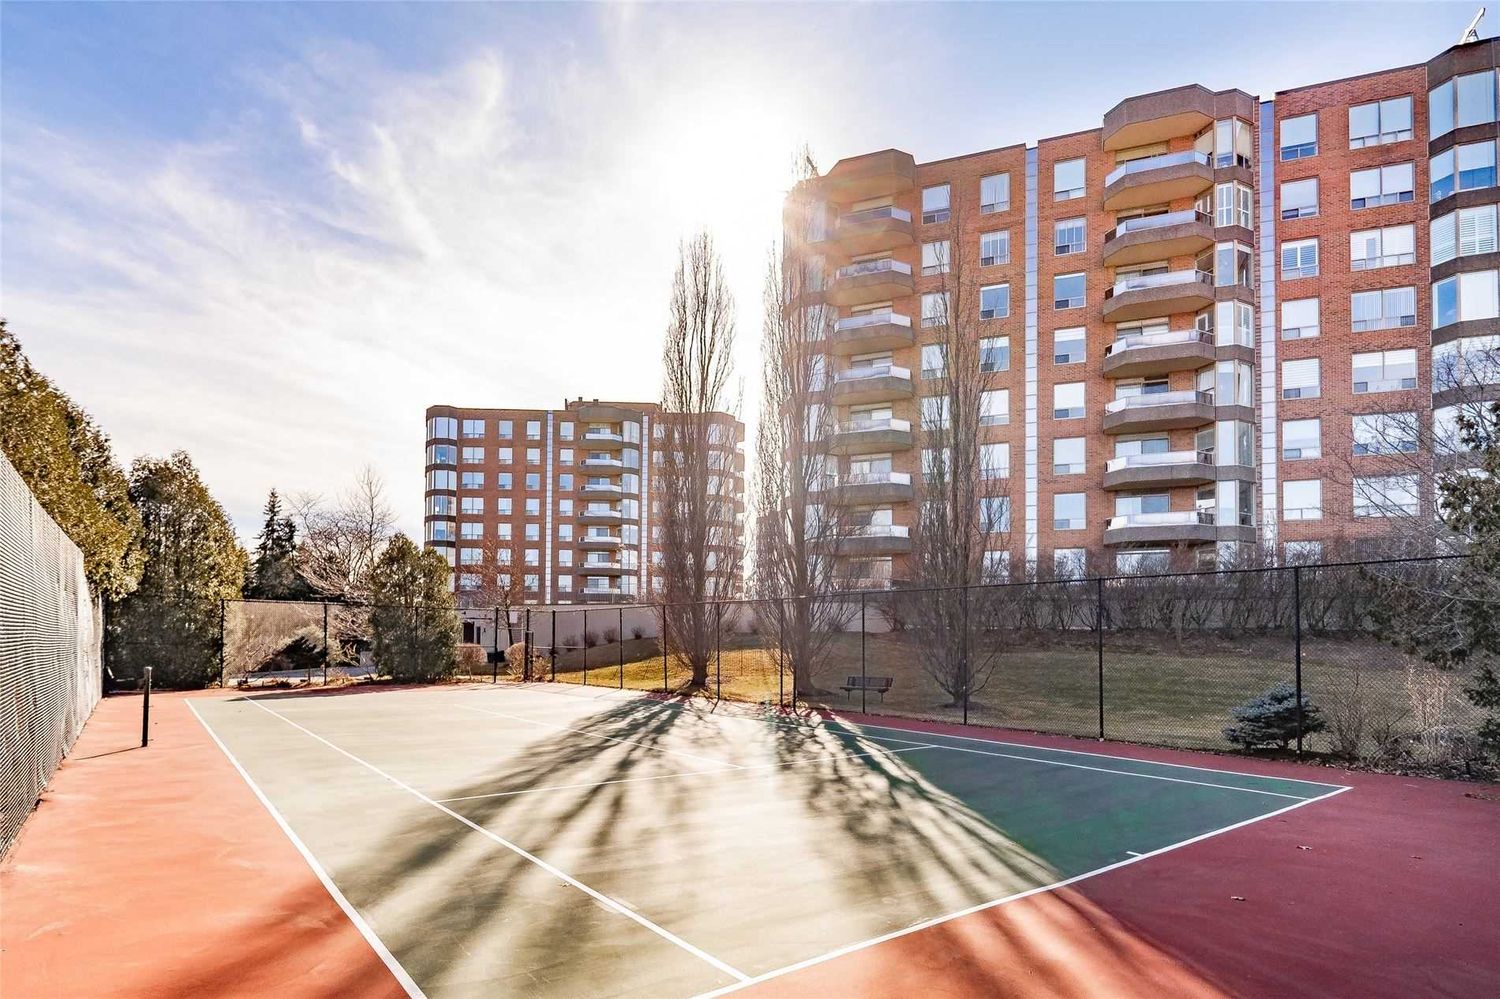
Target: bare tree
x=963 y=499
x=338 y=547
x=500 y=584
x=797 y=502
x=701 y=556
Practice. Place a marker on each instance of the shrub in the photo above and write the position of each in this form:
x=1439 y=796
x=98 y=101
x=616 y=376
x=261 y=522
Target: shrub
x=611 y=635
x=515 y=659
x=1271 y=719
x=590 y=639
x=471 y=659
x=637 y=633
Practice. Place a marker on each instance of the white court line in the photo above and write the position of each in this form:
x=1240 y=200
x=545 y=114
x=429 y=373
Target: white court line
x=598 y=896
x=981 y=907
x=606 y=738
x=389 y=959
x=695 y=773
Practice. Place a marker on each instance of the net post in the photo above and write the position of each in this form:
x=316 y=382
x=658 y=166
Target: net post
x=327 y=652
x=718 y=651
x=552 y=650
x=1297 y=644
x=146 y=710
x=495 y=661
x=222 y=603
x=863 y=690
x=622 y=648
x=1099 y=646
x=585 y=646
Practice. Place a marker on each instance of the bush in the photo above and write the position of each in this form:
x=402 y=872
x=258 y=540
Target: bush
x=590 y=639
x=515 y=659
x=611 y=635
x=471 y=659
x=1271 y=719
x=637 y=633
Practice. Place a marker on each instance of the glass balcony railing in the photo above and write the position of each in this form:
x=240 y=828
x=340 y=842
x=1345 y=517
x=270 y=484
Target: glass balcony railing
x=872 y=371
x=866 y=426
x=883 y=266
x=1148 y=399
x=878 y=214
x=603 y=435
x=1163 y=279
x=1169 y=518
x=1156 y=222
x=1156 y=163
x=1158 y=459
x=877 y=531
x=878 y=479
x=873 y=319
x=1135 y=341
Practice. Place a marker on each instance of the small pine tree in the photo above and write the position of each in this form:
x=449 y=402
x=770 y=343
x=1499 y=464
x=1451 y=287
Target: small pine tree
x=1271 y=719
x=274 y=573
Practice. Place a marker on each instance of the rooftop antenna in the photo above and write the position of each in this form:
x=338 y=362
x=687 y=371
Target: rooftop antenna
x=1471 y=33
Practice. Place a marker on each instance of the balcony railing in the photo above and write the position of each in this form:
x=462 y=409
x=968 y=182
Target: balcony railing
x=600 y=539
x=1164 y=279
x=882 y=266
x=865 y=426
x=872 y=371
x=878 y=479
x=603 y=435
x=877 y=214
x=599 y=566
x=1156 y=163
x=877 y=319
x=876 y=531
x=1156 y=222
x=1170 y=518
x=1147 y=399
x=1135 y=341
x=1158 y=459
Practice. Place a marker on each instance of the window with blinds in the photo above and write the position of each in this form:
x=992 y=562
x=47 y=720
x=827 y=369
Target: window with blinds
x=1385 y=309
x=1391 y=246
x=1299 y=379
x=1385 y=371
x=1299 y=318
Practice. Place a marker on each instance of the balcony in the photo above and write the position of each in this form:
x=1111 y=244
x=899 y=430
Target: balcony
x=613 y=568
x=600 y=541
x=874 y=175
x=1174 y=526
x=587 y=516
x=1166 y=293
x=868 y=489
x=603 y=441
x=872 y=230
x=603 y=595
x=602 y=464
x=1158 y=411
x=1156 y=180
x=870 y=281
x=871 y=437
x=871 y=383
x=866 y=334
x=1166 y=469
x=1158 y=237
x=1170 y=114
x=1139 y=354
x=603 y=489
x=873 y=539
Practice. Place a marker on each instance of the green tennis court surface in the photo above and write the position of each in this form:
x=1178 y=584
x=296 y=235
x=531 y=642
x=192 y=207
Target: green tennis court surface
x=516 y=841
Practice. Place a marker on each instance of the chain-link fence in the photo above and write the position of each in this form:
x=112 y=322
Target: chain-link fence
x=50 y=652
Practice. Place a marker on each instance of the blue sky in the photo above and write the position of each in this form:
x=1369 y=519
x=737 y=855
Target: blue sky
x=272 y=234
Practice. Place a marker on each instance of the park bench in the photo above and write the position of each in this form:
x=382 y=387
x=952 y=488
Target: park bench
x=876 y=684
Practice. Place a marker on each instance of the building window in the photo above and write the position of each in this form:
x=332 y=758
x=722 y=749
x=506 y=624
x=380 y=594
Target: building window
x=507 y=429
x=533 y=480
x=1470 y=361
x=473 y=456
x=1299 y=137
x=1068 y=346
x=1386 y=185
x=533 y=430
x=1069 y=512
x=1232 y=205
x=440 y=478
x=1462 y=168
x=994 y=301
x=994 y=354
x=935 y=257
x=533 y=506
x=473 y=428
x=1302 y=499
x=1379 y=122
x=503 y=480
x=1299 y=259
x=532 y=583
x=1068 y=456
x=1068 y=237
x=935 y=204
x=506 y=455
x=472 y=480
x=1392 y=246
x=471 y=505
x=565 y=430
x=1464 y=298
x=1386 y=496
x=442 y=427
x=994 y=513
x=1464 y=233
x=1385 y=433
x=994 y=248
x=1301 y=439
x=1299 y=198
x=994 y=461
x=505 y=506
x=1300 y=318
x=934 y=411
x=1385 y=309
x=1068 y=291
x=1067 y=179
x=503 y=533
x=533 y=456
x=1385 y=371
x=994 y=407
x=443 y=454
x=1463 y=100
x=1069 y=563
x=934 y=360
x=934 y=309
x=471 y=530
x=565 y=482
x=565 y=508
x=440 y=530
x=1067 y=401
x=994 y=193
x=1299 y=379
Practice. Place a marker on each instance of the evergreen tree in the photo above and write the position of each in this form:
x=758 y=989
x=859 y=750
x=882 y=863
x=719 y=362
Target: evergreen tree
x=274 y=572
x=193 y=561
x=413 y=618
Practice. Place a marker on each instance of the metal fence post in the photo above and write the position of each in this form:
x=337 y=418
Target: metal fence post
x=1297 y=644
x=1099 y=644
x=221 y=642
x=146 y=709
x=622 y=648
x=718 y=651
x=585 y=646
x=526 y=637
x=964 y=653
x=495 y=659
x=863 y=694
x=664 y=687
x=781 y=657
x=326 y=650
x=552 y=649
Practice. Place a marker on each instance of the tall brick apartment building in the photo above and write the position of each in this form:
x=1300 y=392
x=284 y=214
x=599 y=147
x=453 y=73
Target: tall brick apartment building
x=557 y=505
x=1209 y=326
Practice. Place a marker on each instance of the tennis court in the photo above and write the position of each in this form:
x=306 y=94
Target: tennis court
x=517 y=840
